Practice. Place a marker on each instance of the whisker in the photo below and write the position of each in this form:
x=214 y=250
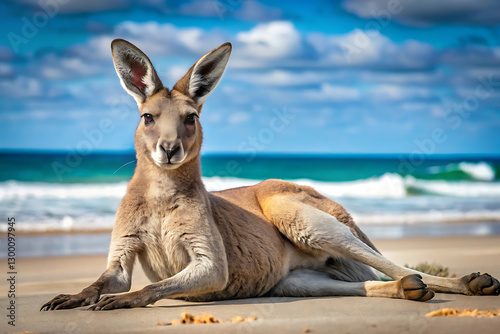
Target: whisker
x=124 y=165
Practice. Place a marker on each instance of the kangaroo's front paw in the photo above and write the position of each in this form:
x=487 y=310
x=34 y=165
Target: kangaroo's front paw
x=415 y=289
x=70 y=301
x=127 y=300
x=480 y=285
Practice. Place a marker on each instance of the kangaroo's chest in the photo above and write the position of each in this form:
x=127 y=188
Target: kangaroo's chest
x=164 y=254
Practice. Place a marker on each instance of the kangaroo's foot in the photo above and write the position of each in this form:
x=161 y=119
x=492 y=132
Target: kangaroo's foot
x=84 y=298
x=480 y=285
x=127 y=300
x=414 y=288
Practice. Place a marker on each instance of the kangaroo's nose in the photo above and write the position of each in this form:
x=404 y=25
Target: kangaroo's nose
x=169 y=148
x=172 y=152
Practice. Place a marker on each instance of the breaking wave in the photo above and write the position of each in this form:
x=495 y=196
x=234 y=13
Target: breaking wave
x=386 y=186
x=387 y=199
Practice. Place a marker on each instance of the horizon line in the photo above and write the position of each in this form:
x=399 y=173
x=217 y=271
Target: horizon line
x=264 y=154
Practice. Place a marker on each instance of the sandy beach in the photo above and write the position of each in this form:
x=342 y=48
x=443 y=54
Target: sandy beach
x=39 y=279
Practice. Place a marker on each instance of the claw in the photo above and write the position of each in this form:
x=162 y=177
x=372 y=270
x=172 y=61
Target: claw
x=415 y=289
x=55 y=301
x=68 y=301
x=427 y=296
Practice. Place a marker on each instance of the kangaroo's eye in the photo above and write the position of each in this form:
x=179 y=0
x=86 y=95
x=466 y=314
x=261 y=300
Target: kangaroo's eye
x=148 y=118
x=190 y=119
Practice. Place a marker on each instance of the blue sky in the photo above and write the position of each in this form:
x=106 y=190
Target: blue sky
x=353 y=76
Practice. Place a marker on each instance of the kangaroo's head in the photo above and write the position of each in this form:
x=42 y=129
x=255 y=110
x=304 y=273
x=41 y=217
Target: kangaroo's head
x=169 y=133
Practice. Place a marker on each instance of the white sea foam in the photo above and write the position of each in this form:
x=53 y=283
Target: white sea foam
x=388 y=199
x=67 y=223
x=454 y=188
x=89 y=223
x=479 y=171
x=427 y=217
x=217 y=183
x=386 y=186
x=15 y=190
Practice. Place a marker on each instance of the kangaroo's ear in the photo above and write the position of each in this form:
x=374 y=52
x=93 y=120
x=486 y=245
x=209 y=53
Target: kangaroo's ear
x=205 y=74
x=137 y=75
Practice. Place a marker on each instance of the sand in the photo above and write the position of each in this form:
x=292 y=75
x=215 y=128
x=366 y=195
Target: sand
x=39 y=279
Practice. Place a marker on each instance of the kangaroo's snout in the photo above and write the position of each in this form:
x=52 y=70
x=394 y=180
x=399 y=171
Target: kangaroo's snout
x=172 y=152
x=168 y=152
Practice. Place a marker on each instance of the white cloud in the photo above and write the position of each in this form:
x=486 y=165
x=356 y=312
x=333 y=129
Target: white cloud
x=280 y=44
x=167 y=39
x=399 y=93
x=432 y=77
x=282 y=77
x=272 y=40
x=329 y=92
x=211 y=117
x=52 y=67
x=154 y=39
x=375 y=94
x=175 y=73
x=271 y=44
x=434 y=109
x=97 y=49
x=21 y=87
x=371 y=49
x=238 y=117
x=6 y=70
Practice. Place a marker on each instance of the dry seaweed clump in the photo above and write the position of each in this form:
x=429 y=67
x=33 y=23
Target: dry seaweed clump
x=449 y=312
x=432 y=269
x=206 y=318
x=239 y=318
x=187 y=318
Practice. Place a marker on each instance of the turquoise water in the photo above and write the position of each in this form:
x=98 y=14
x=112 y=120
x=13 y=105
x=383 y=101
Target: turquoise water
x=103 y=168
x=70 y=193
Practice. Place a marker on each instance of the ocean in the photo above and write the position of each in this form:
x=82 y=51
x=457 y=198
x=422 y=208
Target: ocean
x=388 y=196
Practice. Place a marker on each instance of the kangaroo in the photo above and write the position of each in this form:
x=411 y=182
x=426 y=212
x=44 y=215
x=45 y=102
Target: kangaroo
x=275 y=238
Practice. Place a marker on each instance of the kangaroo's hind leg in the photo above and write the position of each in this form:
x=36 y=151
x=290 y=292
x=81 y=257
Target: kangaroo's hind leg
x=314 y=230
x=310 y=283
